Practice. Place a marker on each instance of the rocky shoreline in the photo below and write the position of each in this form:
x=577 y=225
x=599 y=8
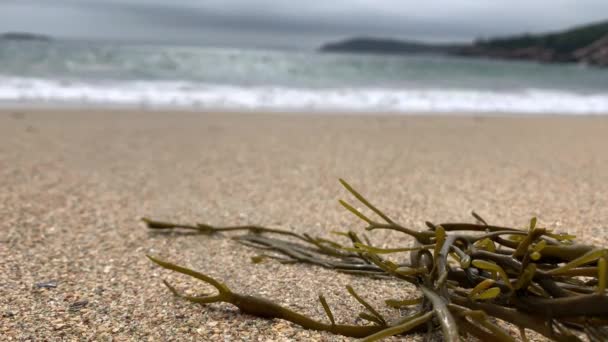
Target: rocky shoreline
x=595 y=54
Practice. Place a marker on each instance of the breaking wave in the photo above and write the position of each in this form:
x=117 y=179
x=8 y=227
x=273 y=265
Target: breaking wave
x=196 y=96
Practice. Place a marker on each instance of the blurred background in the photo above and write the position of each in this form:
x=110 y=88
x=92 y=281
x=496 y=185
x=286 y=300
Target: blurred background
x=370 y=56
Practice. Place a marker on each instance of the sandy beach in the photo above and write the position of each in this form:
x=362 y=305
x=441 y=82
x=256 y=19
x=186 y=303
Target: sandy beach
x=75 y=183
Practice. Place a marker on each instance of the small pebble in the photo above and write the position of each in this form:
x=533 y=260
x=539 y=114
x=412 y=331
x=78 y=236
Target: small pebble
x=46 y=285
x=76 y=306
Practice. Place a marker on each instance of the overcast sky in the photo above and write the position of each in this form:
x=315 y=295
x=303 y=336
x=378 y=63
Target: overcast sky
x=297 y=23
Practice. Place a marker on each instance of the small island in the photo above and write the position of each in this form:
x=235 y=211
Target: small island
x=24 y=36
x=585 y=44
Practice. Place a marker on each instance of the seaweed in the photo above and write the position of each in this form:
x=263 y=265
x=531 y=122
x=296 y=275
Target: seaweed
x=470 y=276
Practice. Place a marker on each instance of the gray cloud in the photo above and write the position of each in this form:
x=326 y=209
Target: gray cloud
x=298 y=23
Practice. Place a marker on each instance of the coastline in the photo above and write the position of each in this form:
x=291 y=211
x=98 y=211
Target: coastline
x=8 y=107
x=75 y=183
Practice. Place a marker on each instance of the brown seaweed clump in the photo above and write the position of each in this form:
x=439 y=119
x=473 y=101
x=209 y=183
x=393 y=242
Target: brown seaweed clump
x=469 y=277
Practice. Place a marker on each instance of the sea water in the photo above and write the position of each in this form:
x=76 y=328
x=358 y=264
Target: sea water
x=76 y=73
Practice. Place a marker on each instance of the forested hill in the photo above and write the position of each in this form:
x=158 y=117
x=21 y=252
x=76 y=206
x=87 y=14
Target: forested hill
x=585 y=44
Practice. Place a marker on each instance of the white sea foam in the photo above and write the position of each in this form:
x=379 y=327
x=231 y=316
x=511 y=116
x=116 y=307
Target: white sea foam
x=188 y=95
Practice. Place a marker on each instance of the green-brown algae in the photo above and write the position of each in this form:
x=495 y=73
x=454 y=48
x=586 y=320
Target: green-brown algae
x=531 y=278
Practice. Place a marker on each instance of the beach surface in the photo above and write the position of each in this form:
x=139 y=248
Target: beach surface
x=75 y=183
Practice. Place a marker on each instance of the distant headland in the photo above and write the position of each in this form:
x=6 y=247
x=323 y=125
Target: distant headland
x=584 y=44
x=388 y=46
x=25 y=36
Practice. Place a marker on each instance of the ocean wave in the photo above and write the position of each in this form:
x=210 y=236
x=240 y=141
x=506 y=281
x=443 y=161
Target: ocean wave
x=195 y=96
